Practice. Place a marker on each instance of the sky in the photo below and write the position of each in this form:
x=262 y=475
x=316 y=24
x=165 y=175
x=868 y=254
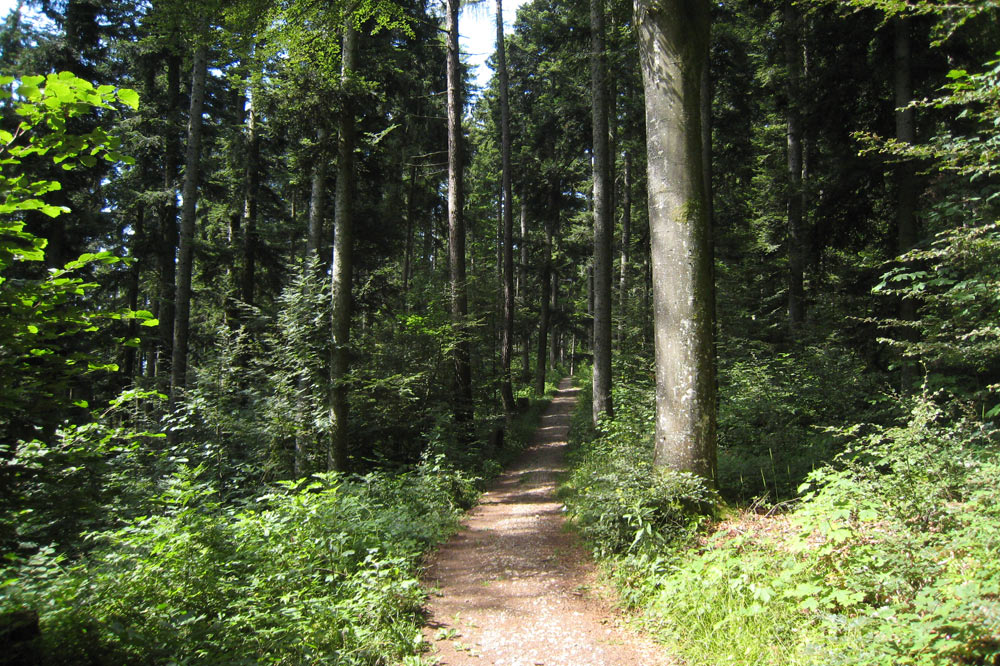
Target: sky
x=477 y=26
x=478 y=34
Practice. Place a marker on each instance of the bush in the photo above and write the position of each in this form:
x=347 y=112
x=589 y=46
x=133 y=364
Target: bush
x=324 y=573
x=772 y=410
x=890 y=559
x=617 y=499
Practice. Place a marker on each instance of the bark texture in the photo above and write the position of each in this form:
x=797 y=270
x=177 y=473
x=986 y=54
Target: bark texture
x=603 y=224
x=673 y=36
x=626 y=245
x=456 y=222
x=185 y=250
x=411 y=209
x=317 y=197
x=167 y=252
x=522 y=286
x=342 y=262
x=507 y=330
x=545 y=281
x=251 y=195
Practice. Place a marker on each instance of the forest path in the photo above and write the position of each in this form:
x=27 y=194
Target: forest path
x=514 y=587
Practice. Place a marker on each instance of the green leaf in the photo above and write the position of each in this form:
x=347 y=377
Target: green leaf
x=810 y=603
x=29 y=92
x=803 y=590
x=129 y=97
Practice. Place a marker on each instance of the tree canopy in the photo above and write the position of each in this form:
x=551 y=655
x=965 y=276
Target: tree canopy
x=281 y=289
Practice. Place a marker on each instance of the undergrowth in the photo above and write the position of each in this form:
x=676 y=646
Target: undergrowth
x=619 y=502
x=887 y=557
x=318 y=571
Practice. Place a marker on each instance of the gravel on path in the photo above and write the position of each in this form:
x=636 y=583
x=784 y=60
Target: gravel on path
x=515 y=588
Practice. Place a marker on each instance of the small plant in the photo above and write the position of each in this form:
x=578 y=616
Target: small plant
x=617 y=499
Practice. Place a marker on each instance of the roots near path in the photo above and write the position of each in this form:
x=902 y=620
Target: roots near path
x=514 y=588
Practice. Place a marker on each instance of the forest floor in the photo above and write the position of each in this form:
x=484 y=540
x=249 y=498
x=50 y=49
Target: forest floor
x=515 y=587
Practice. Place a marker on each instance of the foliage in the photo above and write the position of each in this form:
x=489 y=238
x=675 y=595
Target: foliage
x=616 y=498
x=773 y=407
x=952 y=278
x=57 y=473
x=315 y=572
x=890 y=560
x=950 y=15
x=84 y=478
x=39 y=313
x=955 y=282
x=889 y=555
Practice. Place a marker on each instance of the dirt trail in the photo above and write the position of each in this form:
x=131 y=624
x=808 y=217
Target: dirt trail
x=514 y=587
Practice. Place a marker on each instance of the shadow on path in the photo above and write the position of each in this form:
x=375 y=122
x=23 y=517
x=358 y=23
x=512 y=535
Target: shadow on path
x=514 y=587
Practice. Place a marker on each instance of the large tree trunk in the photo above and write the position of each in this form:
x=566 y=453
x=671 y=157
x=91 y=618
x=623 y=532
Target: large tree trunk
x=626 y=242
x=185 y=250
x=507 y=330
x=795 y=203
x=456 y=224
x=317 y=197
x=673 y=37
x=340 y=280
x=251 y=193
x=167 y=247
x=603 y=225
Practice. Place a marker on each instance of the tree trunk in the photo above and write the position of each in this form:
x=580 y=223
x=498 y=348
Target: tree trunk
x=411 y=209
x=572 y=354
x=185 y=250
x=248 y=246
x=507 y=331
x=456 y=224
x=553 y=310
x=626 y=242
x=602 y=217
x=796 y=235
x=543 y=315
x=342 y=261
x=673 y=37
x=130 y=364
x=522 y=288
x=343 y=239
x=167 y=250
x=317 y=197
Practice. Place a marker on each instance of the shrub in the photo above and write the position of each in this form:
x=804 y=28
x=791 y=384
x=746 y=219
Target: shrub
x=617 y=499
x=772 y=410
x=324 y=573
x=890 y=559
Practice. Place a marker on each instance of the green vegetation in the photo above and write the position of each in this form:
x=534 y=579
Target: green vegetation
x=887 y=557
x=218 y=445
x=860 y=523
